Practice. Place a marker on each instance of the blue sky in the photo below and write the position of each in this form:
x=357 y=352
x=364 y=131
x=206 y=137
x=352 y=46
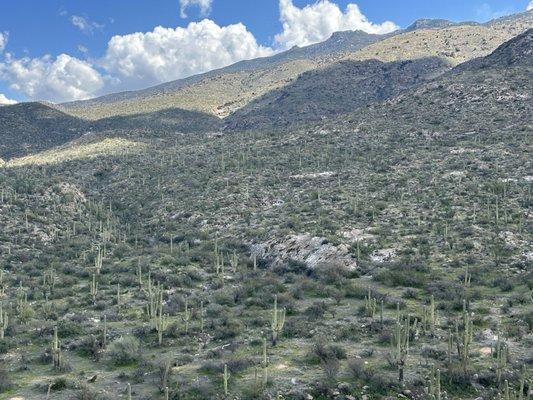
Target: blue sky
x=36 y=32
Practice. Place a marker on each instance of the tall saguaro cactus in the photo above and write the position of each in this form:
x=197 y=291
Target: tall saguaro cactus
x=226 y=377
x=56 y=350
x=278 y=320
x=4 y=320
x=463 y=337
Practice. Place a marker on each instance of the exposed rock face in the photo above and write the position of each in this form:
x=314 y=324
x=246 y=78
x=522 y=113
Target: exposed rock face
x=305 y=248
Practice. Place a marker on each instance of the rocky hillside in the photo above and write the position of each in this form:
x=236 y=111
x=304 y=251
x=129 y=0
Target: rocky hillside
x=339 y=89
x=377 y=255
x=31 y=127
x=222 y=92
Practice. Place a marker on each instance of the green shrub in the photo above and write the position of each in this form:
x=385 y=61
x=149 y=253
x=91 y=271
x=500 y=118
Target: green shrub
x=124 y=351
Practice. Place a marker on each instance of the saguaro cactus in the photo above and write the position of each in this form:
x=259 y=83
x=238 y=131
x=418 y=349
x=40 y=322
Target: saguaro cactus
x=401 y=346
x=463 y=337
x=434 y=387
x=226 y=379
x=161 y=322
x=94 y=288
x=104 y=333
x=56 y=350
x=265 y=363
x=278 y=320
x=4 y=320
x=187 y=315
x=371 y=304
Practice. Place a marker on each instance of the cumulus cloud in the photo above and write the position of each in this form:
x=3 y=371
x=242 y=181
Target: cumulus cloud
x=316 y=22
x=4 y=101
x=530 y=6
x=141 y=59
x=64 y=78
x=165 y=54
x=204 y=5
x=3 y=40
x=85 y=25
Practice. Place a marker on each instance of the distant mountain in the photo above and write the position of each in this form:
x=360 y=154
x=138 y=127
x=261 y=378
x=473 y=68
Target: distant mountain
x=492 y=93
x=226 y=90
x=293 y=62
x=426 y=23
x=338 y=89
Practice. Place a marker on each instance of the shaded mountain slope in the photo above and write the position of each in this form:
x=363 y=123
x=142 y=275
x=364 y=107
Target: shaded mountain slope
x=31 y=127
x=164 y=121
x=493 y=93
x=339 y=89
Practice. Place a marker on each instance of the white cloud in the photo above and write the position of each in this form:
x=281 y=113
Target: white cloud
x=4 y=101
x=85 y=25
x=204 y=5
x=315 y=23
x=530 y=6
x=165 y=54
x=141 y=59
x=3 y=40
x=61 y=79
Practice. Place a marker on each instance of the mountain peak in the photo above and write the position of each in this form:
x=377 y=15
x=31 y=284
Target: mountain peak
x=428 y=23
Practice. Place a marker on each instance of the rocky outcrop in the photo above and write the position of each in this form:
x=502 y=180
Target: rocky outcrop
x=304 y=248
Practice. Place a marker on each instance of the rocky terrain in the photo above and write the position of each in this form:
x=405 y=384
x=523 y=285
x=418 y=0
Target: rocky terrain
x=227 y=90
x=383 y=252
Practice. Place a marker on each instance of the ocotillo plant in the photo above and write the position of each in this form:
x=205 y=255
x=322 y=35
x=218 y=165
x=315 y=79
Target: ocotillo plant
x=278 y=320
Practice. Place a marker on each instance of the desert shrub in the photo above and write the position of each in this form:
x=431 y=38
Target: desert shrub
x=5 y=381
x=124 y=351
x=433 y=352
x=316 y=310
x=297 y=327
x=66 y=328
x=330 y=273
x=226 y=328
x=59 y=384
x=406 y=275
x=503 y=283
x=329 y=351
